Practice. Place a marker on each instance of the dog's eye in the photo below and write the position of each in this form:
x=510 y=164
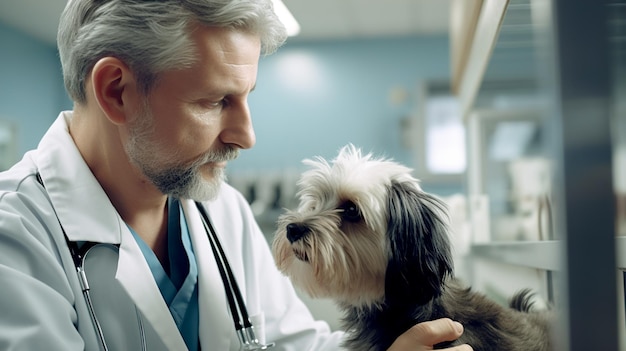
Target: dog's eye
x=350 y=211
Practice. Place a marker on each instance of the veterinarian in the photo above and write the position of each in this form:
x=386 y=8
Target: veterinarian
x=117 y=232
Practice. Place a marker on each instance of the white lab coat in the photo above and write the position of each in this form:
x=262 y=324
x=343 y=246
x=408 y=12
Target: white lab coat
x=41 y=304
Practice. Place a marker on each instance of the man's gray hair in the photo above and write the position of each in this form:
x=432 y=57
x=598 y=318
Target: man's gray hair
x=151 y=36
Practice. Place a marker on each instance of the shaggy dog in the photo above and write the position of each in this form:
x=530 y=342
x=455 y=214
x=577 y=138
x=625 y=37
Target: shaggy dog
x=365 y=235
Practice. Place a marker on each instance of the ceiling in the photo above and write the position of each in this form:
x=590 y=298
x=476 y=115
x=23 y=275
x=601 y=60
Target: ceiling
x=319 y=19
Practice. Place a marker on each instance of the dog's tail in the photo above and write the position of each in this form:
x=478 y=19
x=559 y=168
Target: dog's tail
x=523 y=301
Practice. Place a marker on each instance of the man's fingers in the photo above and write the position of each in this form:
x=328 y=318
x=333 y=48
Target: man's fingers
x=424 y=336
x=459 y=348
x=437 y=331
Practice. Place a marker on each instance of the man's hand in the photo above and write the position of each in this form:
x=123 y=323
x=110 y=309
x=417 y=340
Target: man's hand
x=422 y=336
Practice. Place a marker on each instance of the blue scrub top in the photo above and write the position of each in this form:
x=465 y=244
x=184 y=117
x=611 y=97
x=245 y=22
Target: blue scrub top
x=178 y=281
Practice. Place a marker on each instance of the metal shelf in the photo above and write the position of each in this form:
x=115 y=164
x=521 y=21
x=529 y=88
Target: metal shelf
x=533 y=254
x=578 y=83
x=547 y=255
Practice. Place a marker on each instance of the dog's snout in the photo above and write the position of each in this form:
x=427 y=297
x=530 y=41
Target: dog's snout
x=295 y=231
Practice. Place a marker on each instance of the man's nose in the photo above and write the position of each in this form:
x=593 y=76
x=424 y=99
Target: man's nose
x=237 y=128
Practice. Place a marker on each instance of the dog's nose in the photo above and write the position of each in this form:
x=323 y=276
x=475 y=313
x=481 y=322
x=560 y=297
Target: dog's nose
x=295 y=231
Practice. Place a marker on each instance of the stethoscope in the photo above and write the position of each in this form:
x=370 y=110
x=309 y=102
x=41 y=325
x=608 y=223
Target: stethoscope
x=241 y=319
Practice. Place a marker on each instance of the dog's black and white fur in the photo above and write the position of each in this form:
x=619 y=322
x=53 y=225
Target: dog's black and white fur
x=367 y=236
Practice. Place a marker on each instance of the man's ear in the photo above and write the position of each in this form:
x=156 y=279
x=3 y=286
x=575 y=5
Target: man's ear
x=114 y=88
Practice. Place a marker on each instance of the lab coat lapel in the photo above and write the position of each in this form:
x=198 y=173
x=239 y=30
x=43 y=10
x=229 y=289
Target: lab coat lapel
x=80 y=203
x=137 y=280
x=216 y=326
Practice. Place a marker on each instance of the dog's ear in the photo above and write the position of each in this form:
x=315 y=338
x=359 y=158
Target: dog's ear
x=420 y=256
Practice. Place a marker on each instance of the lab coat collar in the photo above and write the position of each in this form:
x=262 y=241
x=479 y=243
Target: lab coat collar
x=81 y=204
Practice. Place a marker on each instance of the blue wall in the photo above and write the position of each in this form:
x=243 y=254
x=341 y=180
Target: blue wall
x=31 y=88
x=311 y=98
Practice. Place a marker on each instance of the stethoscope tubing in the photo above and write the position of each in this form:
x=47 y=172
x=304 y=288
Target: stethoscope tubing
x=82 y=277
x=79 y=263
x=241 y=318
x=84 y=283
x=235 y=300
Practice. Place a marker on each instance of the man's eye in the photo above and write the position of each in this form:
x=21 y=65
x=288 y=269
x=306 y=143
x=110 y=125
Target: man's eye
x=213 y=104
x=224 y=102
x=350 y=211
x=218 y=103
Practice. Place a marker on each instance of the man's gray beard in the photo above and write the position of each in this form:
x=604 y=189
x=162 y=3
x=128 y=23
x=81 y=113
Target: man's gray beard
x=171 y=177
x=186 y=182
